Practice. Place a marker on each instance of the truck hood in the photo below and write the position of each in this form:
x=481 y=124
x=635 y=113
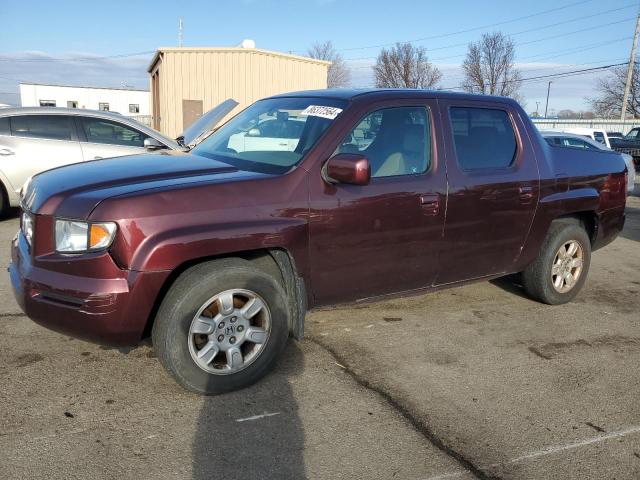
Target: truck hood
x=73 y=191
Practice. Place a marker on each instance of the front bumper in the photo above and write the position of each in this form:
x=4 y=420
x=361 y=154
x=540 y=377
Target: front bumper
x=111 y=311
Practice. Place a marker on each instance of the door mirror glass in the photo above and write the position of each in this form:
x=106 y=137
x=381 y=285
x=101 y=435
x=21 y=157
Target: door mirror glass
x=350 y=168
x=153 y=144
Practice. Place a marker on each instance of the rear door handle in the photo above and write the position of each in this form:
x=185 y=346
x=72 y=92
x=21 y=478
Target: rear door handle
x=5 y=152
x=97 y=158
x=430 y=203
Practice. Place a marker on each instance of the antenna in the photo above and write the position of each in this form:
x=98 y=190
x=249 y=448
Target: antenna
x=180 y=29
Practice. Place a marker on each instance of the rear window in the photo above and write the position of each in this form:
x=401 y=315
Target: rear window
x=54 y=127
x=483 y=138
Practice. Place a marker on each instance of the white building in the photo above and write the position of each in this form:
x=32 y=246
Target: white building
x=126 y=101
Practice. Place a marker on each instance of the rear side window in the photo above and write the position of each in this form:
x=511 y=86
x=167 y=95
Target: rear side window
x=105 y=131
x=4 y=126
x=483 y=137
x=53 y=127
x=396 y=141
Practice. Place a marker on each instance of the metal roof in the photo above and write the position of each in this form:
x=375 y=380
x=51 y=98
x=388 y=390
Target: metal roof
x=255 y=51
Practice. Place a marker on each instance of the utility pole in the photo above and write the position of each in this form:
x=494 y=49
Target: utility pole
x=180 y=32
x=630 y=68
x=547 y=105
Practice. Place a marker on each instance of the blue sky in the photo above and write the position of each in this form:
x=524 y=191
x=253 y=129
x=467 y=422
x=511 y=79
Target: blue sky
x=45 y=41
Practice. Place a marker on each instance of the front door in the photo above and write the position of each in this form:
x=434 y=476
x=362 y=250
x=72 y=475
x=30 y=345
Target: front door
x=383 y=237
x=102 y=138
x=493 y=190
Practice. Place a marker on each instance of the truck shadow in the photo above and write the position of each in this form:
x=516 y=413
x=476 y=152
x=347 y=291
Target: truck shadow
x=255 y=432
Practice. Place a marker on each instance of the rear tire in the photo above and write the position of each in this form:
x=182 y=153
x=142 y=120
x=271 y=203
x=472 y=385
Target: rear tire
x=221 y=326
x=560 y=270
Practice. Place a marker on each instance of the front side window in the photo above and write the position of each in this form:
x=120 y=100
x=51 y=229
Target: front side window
x=97 y=130
x=72 y=104
x=134 y=108
x=396 y=141
x=483 y=137
x=103 y=106
x=633 y=134
x=54 y=127
x=272 y=135
x=47 y=103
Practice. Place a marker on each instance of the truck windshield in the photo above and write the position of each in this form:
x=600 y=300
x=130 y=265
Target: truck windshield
x=272 y=135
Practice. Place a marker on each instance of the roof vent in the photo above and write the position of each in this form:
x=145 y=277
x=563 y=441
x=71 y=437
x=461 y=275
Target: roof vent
x=247 y=43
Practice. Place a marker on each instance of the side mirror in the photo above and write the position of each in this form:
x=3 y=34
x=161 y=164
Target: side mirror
x=153 y=144
x=351 y=168
x=253 y=132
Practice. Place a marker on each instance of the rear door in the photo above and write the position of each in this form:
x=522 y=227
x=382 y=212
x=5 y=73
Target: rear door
x=384 y=237
x=37 y=143
x=102 y=138
x=493 y=189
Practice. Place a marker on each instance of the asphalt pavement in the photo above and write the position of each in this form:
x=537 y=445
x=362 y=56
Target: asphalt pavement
x=473 y=382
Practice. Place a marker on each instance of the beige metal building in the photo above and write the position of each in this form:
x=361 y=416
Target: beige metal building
x=185 y=82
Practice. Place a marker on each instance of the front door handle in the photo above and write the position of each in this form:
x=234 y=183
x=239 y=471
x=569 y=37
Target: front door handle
x=526 y=193
x=430 y=203
x=5 y=152
x=97 y=158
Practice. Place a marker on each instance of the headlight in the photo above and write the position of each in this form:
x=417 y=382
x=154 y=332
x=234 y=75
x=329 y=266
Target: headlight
x=26 y=224
x=74 y=236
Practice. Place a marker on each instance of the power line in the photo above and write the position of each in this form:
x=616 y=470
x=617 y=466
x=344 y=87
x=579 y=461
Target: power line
x=562 y=53
x=517 y=44
x=554 y=75
x=544 y=27
x=474 y=29
x=555 y=67
x=542 y=56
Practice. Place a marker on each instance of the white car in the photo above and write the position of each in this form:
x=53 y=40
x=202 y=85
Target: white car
x=35 y=139
x=595 y=134
x=574 y=140
x=273 y=134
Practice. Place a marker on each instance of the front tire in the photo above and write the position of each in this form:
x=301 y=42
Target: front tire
x=221 y=326
x=560 y=270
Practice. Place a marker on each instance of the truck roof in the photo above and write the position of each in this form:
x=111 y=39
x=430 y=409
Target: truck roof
x=352 y=93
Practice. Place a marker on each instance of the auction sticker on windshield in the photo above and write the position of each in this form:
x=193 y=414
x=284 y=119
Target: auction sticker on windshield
x=321 y=111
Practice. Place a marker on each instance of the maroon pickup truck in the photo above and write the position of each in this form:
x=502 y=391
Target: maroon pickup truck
x=302 y=200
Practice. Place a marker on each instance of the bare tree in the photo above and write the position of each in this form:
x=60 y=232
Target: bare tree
x=405 y=66
x=608 y=102
x=339 y=75
x=567 y=113
x=490 y=67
